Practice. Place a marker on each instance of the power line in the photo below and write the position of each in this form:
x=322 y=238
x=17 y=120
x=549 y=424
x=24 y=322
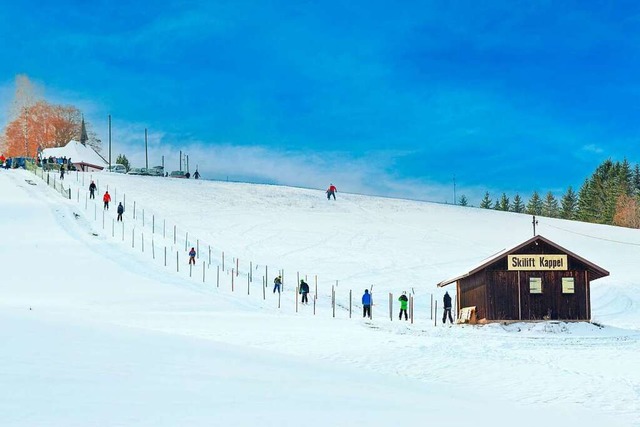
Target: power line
x=594 y=237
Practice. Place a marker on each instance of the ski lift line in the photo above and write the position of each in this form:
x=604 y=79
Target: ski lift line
x=594 y=237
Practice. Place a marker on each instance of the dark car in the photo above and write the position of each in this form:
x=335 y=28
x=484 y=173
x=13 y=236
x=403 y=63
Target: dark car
x=178 y=174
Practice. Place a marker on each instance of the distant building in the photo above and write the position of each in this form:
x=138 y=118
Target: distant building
x=536 y=280
x=83 y=157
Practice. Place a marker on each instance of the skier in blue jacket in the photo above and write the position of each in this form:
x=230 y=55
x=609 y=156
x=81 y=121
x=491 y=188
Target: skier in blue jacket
x=366 y=304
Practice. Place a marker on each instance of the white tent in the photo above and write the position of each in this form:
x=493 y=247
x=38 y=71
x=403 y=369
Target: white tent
x=83 y=157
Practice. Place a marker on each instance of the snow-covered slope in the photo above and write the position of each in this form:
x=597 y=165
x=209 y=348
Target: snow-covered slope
x=98 y=332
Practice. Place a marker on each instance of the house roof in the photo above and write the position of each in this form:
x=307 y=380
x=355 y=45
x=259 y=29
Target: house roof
x=78 y=153
x=597 y=270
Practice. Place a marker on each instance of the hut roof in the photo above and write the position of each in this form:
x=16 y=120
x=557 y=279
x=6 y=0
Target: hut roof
x=596 y=270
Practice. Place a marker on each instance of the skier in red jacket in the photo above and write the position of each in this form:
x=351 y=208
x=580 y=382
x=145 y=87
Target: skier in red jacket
x=106 y=199
x=331 y=192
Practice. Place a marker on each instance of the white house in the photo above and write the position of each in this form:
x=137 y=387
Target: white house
x=83 y=157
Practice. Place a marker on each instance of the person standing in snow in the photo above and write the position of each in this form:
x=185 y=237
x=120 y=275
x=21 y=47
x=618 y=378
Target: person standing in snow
x=92 y=190
x=447 y=308
x=331 y=191
x=120 y=211
x=62 y=172
x=106 y=199
x=366 y=304
x=196 y=175
x=404 y=301
x=304 y=291
x=192 y=256
x=277 y=282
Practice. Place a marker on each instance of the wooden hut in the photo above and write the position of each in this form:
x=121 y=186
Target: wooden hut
x=536 y=280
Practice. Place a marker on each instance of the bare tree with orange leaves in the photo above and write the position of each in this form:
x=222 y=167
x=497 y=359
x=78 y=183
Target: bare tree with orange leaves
x=627 y=212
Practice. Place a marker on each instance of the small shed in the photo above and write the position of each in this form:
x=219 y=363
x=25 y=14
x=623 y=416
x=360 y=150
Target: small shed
x=536 y=280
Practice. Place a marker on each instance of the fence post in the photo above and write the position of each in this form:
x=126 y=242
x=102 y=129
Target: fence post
x=164 y=228
x=232 y=287
x=165 y=256
x=237 y=266
x=177 y=262
x=333 y=300
x=222 y=260
x=209 y=254
x=431 y=309
x=153 y=248
x=350 y=302
x=153 y=224
x=264 y=289
x=203 y=269
x=411 y=307
x=174 y=234
x=134 y=209
x=435 y=315
x=315 y=297
x=248 y=283
x=390 y=306
x=190 y=268
x=280 y=298
x=218 y=277
x=143 y=217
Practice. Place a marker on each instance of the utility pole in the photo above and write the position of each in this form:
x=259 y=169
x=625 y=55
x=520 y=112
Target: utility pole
x=187 y=163
x=534 y=222
x=109 y=141
x=454 y=190
x=180 y=168
x=146 y=154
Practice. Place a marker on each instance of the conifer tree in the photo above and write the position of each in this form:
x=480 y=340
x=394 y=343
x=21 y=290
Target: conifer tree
x=636 y=180
x=486 y=202
x=496 y=206
x=569 y=204
x=550 y=206
x=504 y=203
x=534 y=207
x=463 y=201
x=518 y=204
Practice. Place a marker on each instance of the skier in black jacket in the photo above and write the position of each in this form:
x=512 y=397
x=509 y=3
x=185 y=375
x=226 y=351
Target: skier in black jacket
x=304 y=290
x=447 y=308
x=92 y=190
x=120 y=211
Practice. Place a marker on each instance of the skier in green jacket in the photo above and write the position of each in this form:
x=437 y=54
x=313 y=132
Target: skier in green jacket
x=404 y=301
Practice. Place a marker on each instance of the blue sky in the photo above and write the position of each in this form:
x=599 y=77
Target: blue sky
x=377 y=97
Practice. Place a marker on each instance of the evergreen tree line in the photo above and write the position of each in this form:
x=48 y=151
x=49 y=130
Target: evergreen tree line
x=611 y=195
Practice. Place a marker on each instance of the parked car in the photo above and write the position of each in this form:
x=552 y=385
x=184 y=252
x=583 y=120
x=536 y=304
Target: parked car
x=117 y=168
x=156 y=171
x=136 y=171
x=178 y=174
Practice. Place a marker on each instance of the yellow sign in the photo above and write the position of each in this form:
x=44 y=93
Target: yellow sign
x=538 y=262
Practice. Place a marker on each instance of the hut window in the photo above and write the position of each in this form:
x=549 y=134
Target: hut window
x=568 y=285
x=535 y=285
